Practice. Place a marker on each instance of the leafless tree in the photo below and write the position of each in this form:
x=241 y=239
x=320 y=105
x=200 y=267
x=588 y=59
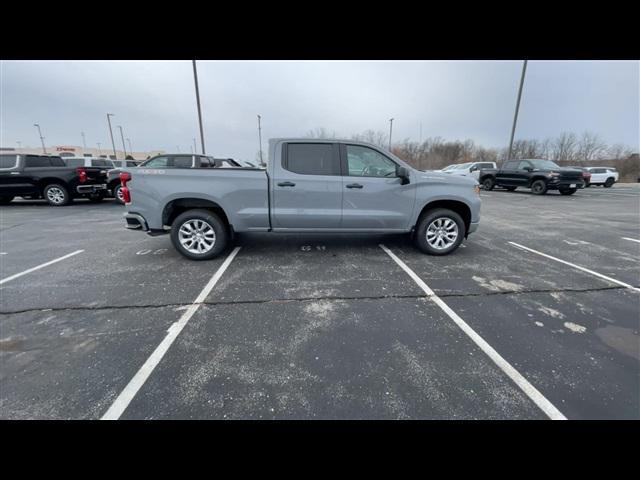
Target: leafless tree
x=320 y=132
x=590 y=147
x=618 y=151
x=377 y=138
x=564 y=148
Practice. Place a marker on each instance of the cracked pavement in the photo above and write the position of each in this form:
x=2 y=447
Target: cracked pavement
x=336 y=330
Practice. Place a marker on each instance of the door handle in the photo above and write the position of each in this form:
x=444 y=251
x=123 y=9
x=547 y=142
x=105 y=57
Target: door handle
x=286 y=184
x=354 y=185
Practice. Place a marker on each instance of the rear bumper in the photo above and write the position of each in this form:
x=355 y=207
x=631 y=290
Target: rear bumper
x=136 y=222
x=91 y=188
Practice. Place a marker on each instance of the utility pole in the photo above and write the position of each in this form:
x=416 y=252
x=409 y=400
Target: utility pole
x=195 y=149
x=84 y=143
x=44 y=150
x=122 y=137
x=260 y=140
x=113 y=144
x=99 y=149
x=195 y=78
x=515 y=117
x=390 y=131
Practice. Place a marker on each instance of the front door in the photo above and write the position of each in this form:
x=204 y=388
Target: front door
x=373 y=198
x=307 y=187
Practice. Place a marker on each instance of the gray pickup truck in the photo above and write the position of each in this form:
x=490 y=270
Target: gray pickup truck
x=332 y=186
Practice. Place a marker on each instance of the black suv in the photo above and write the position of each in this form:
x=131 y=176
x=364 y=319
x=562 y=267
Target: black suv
x=48 y=177
x=538 y=175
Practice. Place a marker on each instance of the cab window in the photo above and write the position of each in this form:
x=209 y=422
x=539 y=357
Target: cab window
x=158 y=162
x=366 y=162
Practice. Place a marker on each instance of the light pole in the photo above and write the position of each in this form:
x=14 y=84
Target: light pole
x=195 y=78
x=390 y=131
x=260 y=140
x=99 y=149
x=84 y=143
x=195 y=149
x=44 y=150
x=19 y=145
x=122 y=137
x=130 y=149
x=113 y=144
x=515 y=116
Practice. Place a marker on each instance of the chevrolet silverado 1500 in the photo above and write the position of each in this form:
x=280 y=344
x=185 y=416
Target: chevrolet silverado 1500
x=309 y=186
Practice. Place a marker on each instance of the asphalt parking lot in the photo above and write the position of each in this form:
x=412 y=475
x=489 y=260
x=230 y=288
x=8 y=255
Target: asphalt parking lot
x=317 y=326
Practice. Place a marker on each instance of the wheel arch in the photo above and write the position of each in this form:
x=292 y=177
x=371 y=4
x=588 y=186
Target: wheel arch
x=178 y=206
x=458 y=206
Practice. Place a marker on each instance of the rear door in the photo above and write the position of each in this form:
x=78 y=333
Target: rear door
x=12 y=180
x=373 y=196
x=508 y=173
x=307 y=187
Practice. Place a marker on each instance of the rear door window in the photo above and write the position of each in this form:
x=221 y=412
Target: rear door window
x=8 y=161
x=75 y=162
x=312 y=159
x=33 y=161
x=524 y=165
x=510 y=166
x=182 y=161
x=57 y=162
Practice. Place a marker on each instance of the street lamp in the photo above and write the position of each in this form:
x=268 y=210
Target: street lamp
x=113 y=144
x=84 y=143
x=122 y=137
x=390 y=131
x=19 y=145
x=195 y=78
x=99 y=149
x=515 y=116
x=44 y=150
x=195 y=149
x=260 y=140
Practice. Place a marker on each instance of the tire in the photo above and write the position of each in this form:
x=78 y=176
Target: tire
x=568 y=191
x=488 y=183
x=539 y=187
x=6 y=200
x=511 y=189
x=117 y=195
x=449 y=221
x=202 y=222
x=56 y=195
x=609 y=182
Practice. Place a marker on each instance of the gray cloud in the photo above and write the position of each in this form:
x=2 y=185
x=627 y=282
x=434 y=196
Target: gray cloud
x=155 y=101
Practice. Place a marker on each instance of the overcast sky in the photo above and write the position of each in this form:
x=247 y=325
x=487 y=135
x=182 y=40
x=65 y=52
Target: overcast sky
x=155 y=101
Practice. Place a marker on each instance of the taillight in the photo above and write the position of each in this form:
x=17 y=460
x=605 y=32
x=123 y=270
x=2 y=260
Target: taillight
x=126 y=194
x=82 y=174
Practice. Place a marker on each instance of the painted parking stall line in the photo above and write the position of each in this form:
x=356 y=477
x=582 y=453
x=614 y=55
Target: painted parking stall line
x=533 y=393
x=135 y=384
x=578 y=267
x=631 y=239
x=38 y=267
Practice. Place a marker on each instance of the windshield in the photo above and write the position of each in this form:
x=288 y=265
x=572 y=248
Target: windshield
x=543 y=164
x=462 y=166
x=450 y=167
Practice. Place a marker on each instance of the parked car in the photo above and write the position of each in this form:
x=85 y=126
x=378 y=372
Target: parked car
x=471 y=169
x=538 y=175
x=605 y=176
x=48 y=177
x=309 y=186
x=586 y=175
x=89 y=162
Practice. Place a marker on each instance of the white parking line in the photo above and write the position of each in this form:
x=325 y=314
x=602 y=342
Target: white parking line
x=631 y=239
x=122 y=402
x=596 y=274
x=13 y=277
x=540 y=400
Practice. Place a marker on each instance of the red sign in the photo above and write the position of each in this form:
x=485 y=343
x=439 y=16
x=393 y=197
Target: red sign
x=65 y=149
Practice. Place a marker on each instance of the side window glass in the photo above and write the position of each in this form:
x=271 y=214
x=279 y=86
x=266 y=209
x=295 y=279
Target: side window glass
x=312 y=159
x=366 y=162
x=158 y=162
x=183 y=161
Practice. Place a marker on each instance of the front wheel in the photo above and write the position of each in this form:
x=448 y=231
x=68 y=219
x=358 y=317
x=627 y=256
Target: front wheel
x=439 y=232
x=488 y=183
x=568 y=191
x=56 y=195
x=539 y=187
x=609 y=182
x=6 y=200
x=199 y=234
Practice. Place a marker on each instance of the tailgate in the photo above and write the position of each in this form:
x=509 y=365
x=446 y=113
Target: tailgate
x=96 y=175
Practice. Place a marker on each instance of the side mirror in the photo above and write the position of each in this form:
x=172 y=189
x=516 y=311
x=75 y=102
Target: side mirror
x=403 y=173
x=474 y=168
x=528 y=169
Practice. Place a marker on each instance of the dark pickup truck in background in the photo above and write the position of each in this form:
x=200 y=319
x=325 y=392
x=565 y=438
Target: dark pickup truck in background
x=48 y=177
x=538 y=175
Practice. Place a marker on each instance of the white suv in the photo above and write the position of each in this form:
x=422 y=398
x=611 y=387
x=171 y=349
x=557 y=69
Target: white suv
x=471 y=169
x=605 y=176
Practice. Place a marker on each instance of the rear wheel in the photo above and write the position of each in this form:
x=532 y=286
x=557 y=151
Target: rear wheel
x=568 y=191
x=117 y=193
x=56 y=195
x=6 y=200
x=199 y=234
x=539 y=187
x=488 y=183
x=439 y=231
x=609 y=182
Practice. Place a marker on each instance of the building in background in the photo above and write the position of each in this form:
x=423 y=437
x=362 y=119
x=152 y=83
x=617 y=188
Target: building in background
x=76 y=151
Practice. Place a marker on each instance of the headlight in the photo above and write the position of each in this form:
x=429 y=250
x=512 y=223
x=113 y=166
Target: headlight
x=553 y=174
